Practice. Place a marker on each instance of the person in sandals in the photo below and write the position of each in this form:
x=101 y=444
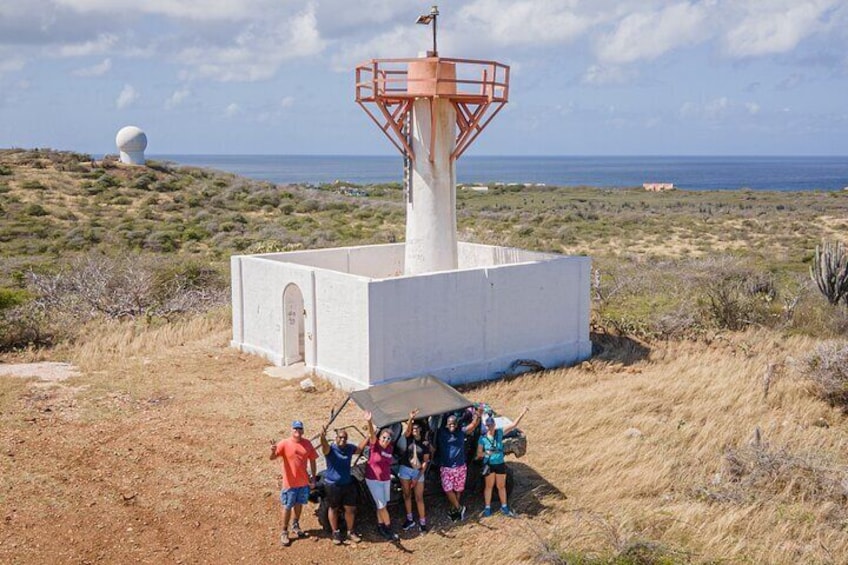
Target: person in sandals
x=339 y=487
x=414 y=460
x=490 y=449
x=295 y=452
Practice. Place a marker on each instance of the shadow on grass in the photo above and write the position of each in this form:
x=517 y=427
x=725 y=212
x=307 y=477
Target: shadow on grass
x=617 y=348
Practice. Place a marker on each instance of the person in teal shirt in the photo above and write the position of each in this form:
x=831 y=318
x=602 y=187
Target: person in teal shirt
x=490 y=449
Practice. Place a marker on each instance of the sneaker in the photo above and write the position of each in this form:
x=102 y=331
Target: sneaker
x=387 y=532
x=424 y=528
x=462 y=510
x=487 y=511
x=354 y=537
x=337 y=538
x=507 y=511
x=285 y=540
x=297 y=531
x=408 y=525
x=453 y=514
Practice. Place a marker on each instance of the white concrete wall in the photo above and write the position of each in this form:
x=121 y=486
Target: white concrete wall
x=475 y=255
x=471 y=325
x=258 y=286
x=374 y=261
x=342 y=318
x=460 y=325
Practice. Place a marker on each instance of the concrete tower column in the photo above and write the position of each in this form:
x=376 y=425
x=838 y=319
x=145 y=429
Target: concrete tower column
x=431 y=209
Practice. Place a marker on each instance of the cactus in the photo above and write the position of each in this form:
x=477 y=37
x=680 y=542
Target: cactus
x=830 y=271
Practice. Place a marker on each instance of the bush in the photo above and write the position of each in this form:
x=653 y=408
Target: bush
x=827 y=370
x=35 y=210
x=5 y=170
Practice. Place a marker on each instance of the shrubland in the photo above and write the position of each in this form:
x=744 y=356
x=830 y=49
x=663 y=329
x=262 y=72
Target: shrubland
x=708 y=427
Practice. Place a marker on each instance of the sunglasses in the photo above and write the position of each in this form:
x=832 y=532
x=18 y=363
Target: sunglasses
x=385 y=438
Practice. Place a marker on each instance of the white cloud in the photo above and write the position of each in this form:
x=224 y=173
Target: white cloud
x=650 y=34
x=127 y=97
x=232 y=110
x=256 y=52
x=517 y=22
x=776 y=27
x=287 y=102
x=97 y=70
x=177 y=98
x=718 y=110
x=103 y=43
x=10 y=64
x=600 y=75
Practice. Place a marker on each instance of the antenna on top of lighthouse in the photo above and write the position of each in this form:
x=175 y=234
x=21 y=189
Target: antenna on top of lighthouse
x=425 y=19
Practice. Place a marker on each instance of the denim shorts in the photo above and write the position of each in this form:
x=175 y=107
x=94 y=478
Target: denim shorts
x=408 y=473
x=294 y=496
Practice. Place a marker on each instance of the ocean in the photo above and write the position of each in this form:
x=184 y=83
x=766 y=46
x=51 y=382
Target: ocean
x=687 y=173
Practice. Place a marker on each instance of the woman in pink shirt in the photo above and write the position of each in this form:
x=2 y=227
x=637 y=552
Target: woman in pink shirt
x=378 y=475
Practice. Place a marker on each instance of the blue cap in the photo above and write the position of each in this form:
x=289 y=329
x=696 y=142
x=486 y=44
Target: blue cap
x=490 y=421
x=297 y=424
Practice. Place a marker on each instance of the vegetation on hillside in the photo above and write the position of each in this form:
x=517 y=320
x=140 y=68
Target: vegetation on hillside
x=708 y=427
x=671 y=264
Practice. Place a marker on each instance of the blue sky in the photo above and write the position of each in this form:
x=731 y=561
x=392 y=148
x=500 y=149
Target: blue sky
x=715 y=77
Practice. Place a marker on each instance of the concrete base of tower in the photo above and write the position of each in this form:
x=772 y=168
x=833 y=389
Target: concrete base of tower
x=352 y=316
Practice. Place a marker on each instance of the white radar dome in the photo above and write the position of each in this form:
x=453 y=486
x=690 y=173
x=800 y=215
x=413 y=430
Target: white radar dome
x=131 y=142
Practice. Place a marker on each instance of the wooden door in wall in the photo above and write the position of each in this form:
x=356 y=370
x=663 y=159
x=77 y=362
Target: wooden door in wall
x=293 y=338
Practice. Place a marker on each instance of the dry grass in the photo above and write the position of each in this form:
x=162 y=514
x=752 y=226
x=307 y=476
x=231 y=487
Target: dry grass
x=166 y=430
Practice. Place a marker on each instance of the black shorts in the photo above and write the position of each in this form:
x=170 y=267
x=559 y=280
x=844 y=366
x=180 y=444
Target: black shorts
x=498 y=468
x=341 y=495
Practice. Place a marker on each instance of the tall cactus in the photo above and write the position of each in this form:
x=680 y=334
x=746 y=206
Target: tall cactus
x=830 y=271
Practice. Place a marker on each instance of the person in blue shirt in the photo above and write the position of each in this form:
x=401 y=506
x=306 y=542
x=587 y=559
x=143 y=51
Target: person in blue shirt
x=453 y=469
x=339 y=487
x=490 y=449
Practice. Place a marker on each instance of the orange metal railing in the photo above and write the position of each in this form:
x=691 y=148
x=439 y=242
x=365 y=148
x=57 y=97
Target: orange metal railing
x=477 y=89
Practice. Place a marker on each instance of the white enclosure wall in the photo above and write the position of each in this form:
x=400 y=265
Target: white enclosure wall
x=462 y=325
x=471 y=325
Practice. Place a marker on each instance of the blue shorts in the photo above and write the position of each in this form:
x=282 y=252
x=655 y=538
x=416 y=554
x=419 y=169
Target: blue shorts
x=408 y=473
x=294 y=496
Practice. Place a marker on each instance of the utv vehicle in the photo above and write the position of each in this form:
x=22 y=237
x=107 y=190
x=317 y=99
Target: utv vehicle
x=390 y=405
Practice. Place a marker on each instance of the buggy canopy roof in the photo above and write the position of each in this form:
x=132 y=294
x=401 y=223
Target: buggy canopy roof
x=392 y=402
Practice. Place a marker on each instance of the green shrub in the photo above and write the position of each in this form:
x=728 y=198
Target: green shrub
x=35 y=210
x=32 y=185
x=10 y=297
x=5 y=170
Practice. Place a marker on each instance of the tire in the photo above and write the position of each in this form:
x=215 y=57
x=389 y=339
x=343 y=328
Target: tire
x=510 y=482
x=323 y=514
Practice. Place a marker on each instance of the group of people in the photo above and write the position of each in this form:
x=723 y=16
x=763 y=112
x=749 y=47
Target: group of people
x=415 y=453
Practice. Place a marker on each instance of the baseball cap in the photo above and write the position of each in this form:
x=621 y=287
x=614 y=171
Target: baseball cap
x=297 y=424
x=490 y=421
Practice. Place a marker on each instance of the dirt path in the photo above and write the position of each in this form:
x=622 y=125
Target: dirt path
x=163 y=459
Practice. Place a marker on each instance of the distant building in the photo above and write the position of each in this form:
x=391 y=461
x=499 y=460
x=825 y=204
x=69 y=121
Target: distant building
x=658 y=186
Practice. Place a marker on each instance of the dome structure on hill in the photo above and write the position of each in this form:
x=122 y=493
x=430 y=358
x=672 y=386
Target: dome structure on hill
x=131 y=142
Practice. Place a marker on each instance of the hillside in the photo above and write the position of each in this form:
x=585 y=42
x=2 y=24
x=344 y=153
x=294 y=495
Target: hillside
x=692 y=435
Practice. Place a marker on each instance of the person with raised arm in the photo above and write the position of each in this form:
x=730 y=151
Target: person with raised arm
x=490 y=449
x=295 y=452
x=378 y=474
x=414 y=459
x=339 y=487
x=453 y=470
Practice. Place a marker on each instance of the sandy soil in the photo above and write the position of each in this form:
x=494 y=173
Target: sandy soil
x=159 y=455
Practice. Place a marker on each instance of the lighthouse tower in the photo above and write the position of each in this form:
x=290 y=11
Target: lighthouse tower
x=431 y=108
x=461 y=311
